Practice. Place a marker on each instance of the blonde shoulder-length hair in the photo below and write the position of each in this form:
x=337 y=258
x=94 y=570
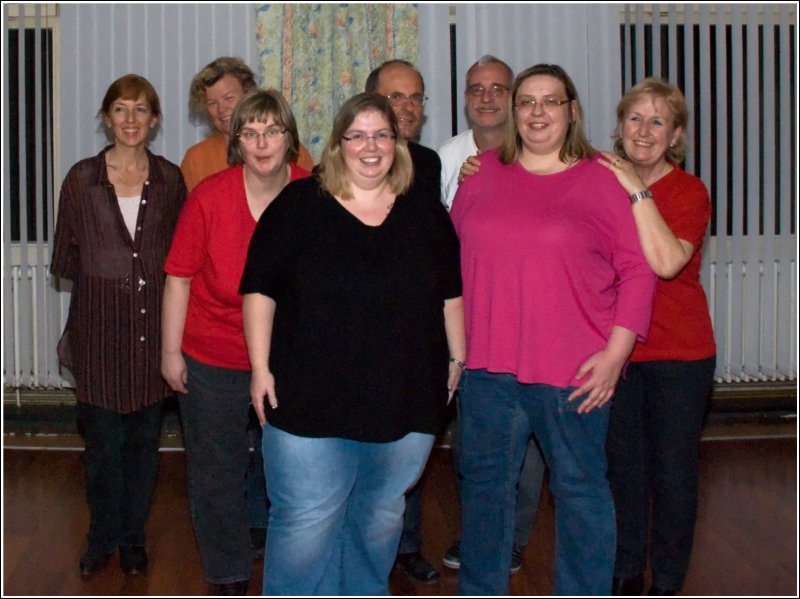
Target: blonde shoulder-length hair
x=333 y=172
x=653 y=88
x=575 y=146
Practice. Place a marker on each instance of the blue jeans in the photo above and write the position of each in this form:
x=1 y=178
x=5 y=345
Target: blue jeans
x=214 y=415
x=529 y=489
x=498 y=416
x=336 y=511
x=121 y=459
x=656 y=419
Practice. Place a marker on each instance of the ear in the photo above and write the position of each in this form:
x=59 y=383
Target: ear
x=676 y=135
x=153 y=122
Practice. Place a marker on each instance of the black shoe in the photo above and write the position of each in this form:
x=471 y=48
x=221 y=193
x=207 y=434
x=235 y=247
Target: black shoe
x=516 y=558
x=258 y=539
x=133 y=560
x=627 y=586
x=91 y=563
x=232 y=588
x=654 y=590
x=452 y=558
x=417 y=568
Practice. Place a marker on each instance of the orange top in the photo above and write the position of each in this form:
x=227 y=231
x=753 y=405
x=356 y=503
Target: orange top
x=210 y=156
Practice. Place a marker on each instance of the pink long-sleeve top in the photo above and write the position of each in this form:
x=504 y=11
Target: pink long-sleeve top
x=550 y=264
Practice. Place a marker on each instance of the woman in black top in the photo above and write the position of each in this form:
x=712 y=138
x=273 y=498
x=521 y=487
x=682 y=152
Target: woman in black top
x=354 y=325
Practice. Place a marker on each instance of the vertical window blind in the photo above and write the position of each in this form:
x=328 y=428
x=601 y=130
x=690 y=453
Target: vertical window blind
x=31 y=323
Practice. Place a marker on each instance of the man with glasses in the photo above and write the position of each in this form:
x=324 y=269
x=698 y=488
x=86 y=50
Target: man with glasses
x=489 y=81
x=401 y=83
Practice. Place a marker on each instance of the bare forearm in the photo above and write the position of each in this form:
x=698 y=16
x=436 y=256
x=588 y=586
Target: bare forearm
x=258 y=312
x=454 y=328
x=173 y=313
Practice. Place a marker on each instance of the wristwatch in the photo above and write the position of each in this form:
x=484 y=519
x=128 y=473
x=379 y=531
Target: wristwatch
x=640 y=195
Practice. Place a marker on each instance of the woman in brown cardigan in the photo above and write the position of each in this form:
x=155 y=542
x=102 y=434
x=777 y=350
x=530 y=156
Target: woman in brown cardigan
x=116 y=215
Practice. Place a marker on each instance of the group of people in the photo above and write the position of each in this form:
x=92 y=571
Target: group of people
x=337 y=309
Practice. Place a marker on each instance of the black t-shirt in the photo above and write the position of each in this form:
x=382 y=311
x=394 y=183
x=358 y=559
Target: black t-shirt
x=358 y=347
x=427 y=171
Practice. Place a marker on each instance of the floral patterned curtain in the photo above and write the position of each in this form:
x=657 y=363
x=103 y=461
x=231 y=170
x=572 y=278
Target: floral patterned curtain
x=319 y=55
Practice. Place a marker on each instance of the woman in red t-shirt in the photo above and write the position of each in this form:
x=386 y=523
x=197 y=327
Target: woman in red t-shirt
x=659 y=406
x=203 y=357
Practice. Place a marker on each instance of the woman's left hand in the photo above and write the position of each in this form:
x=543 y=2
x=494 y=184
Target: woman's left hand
x=623 y=171
x=453 y=377
x=603 y=369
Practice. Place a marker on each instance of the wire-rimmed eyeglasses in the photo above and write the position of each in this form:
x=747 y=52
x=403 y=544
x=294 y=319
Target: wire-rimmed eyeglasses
x=359 y=138
x=495 y=90
x=250 y=136
x=549 y=103
x=398 y=99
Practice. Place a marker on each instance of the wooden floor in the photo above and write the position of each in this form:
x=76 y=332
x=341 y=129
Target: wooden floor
x=746 y=541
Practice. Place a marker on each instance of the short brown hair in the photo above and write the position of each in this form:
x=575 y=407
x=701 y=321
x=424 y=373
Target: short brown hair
x=651 y=89
x=332 y=169
x=213 y=72
x=257 y=107
x=130 y=87
x=576 y=146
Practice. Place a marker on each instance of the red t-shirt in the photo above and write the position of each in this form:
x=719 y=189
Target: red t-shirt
x=681 y=326
x=210 y=246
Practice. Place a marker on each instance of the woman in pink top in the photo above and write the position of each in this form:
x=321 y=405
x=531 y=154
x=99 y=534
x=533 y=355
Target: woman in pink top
x=556 y=292
x=204 y=358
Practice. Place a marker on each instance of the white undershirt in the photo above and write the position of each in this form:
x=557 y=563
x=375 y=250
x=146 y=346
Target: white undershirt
x=130 y=212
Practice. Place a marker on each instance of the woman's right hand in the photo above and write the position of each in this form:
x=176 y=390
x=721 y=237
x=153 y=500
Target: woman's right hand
x=173 y=369
x=469 y=167
x=262 y=384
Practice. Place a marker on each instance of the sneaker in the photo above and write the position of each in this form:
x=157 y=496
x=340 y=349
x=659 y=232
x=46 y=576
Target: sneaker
x=417 y=568
x=516 y=558
x=452 y=558
x=258 y=539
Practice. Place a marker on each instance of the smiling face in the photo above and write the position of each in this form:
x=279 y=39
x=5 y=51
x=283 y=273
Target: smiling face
x=263 y=155
x=647 y=131
x=221 y=100
x=486 y=111
x=402 y=79
x=368 y=160
x=543 y=129
x=130 y=121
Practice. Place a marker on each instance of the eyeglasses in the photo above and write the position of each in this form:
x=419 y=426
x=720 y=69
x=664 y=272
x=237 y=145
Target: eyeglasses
x=526 y=104
x=250 y=136
x=358 y=139
x=494 y=90
x=398 y=99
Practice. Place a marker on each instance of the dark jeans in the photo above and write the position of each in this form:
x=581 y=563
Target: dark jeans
x=256 y=483
x=529 y=488
x=121 y=459
x=214 y=415
x=654 y=432
x=527 y=501
x=498 y=416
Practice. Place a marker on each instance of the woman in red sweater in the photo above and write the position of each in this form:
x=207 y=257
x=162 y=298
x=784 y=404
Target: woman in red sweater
x=658 y=408
x=204 y=357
